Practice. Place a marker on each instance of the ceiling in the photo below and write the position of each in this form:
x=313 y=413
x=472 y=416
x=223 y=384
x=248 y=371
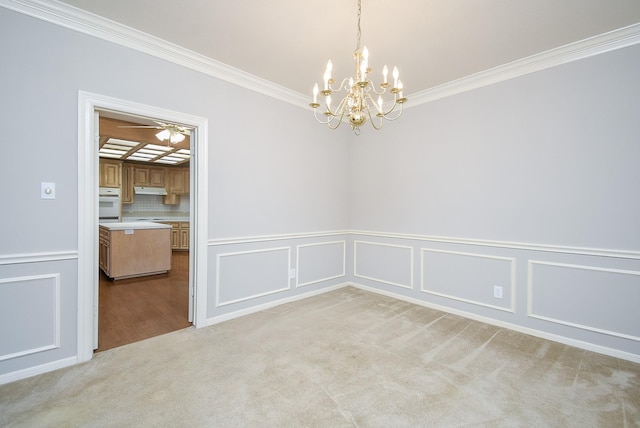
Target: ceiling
x=121 y=138
x=432 y=42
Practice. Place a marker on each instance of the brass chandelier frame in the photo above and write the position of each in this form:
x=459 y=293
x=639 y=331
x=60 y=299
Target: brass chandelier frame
x=358 y=103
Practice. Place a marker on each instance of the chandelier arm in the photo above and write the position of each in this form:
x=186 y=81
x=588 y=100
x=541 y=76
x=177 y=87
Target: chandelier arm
x=380 y=111
x=340 y=109
x=343 y=85
x=328 y=111
x=367 y=96
x=393 y=108
x=383 y=114
x=332 y=116
x=377 y=128
x=340 y=105
x=339 y=120
x=398 y=115
x=372 y=87
x=323 y=122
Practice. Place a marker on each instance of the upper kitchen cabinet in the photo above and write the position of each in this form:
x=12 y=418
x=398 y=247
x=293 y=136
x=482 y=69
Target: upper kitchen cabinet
x=149 y=176
x=110 y=173
x=127 y=183
x=178 y=181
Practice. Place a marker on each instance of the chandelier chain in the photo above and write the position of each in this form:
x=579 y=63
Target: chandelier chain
x=359 y=31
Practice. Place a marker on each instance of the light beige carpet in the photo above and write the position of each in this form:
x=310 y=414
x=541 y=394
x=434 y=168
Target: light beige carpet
x=347 y=358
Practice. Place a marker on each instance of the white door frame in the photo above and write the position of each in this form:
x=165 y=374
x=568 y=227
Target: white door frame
x=88 y=170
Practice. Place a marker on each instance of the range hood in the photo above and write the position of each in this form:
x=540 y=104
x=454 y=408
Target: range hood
x=144 y=190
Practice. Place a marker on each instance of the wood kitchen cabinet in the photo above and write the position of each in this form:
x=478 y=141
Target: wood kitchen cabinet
x=110 y=173
x=171 y=199
x=178 y=181
x=184 y=236
x=127 y=184
x=149 y=176
x=177 y=184
x=104 y=251
x=179 y=235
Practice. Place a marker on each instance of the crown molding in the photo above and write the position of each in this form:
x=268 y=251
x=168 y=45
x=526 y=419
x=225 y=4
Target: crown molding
x=84 y=22
x=612 y=40
x=76 y=19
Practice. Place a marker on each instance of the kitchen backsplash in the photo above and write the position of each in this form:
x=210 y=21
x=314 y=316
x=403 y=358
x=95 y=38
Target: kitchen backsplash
x=154 y=203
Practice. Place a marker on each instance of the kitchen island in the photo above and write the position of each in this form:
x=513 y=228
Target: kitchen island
x=179 y=222
x=131 y=249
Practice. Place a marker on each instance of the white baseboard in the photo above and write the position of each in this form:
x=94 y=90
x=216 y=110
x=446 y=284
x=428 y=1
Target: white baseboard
x=265 y=306
x=36 y=370
x=537 y=333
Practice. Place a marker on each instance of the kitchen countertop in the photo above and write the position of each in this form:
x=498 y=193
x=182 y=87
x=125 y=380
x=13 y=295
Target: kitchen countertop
x=134 y=225
x=155 y=216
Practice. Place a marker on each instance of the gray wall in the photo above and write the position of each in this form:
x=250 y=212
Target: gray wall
x=271 y=172
x=528 y=185
x=531 y=185
x=550 y=157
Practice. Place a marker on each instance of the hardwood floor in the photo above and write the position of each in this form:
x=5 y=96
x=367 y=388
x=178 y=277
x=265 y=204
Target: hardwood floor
x=138 y=308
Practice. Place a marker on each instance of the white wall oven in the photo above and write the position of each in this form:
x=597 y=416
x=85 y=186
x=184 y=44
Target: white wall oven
x=109 y=205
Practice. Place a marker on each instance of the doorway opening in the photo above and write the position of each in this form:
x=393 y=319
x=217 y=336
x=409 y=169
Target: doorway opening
x=151 y=178
x=191 y=265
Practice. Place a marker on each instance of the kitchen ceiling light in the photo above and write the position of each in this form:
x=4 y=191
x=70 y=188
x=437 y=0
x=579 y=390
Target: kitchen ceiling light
x=358 y=103
x=163 y=135
x=174 y=136
x=177 y=138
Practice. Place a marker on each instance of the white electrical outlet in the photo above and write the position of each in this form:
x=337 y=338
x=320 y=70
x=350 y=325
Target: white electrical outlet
x=292 y=274
x=497 y=292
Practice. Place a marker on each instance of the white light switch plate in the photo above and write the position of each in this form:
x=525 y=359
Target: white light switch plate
x=47 y=190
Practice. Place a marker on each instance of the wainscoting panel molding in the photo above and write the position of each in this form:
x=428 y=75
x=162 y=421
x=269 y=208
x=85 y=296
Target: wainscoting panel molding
x=280 y=237
x=468 y=277
x=246 y=275
x=36 y=329
x=385 y=263
x=51 y=256
x=528 y=246
x=592 y=298
x=320 y=261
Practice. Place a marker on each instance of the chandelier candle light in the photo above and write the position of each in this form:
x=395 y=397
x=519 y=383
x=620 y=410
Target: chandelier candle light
x=358 y=103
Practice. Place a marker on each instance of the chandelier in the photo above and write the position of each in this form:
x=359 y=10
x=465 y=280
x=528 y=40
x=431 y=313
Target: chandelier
x=358 y=103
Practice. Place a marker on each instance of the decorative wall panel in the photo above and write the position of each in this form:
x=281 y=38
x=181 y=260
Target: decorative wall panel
x=386 y=263
x=593 y=298
x=30 y=318
x=320 y=262
x=468 y=277
x=246 y=275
